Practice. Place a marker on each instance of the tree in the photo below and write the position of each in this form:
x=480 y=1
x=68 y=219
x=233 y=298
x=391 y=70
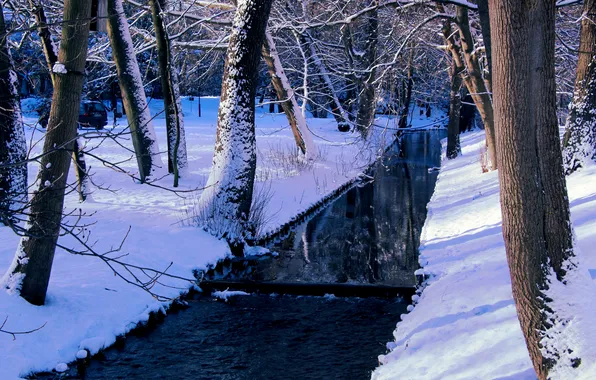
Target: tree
x=579 y=143
x=177 y=160
x=133 y=94
x=30 y=271
x=224 y=205
x=534 y=204
x=287 y=98
x=13 y=147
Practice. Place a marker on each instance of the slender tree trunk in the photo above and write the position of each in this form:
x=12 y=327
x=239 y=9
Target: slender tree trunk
x=13 y=147
x=78 y=156
x=30 y=271
x=484 y=16
x=453 y=147
x=579 y=143
x=224 y=205
x=285 y=94
x=522 y=34
x=133 y=93
x=475 y=83
x=405 y=108
x=367 y=99
x=177 y=160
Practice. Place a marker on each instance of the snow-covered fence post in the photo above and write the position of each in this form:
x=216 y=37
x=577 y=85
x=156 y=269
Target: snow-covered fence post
x=224 y=205
x=13 y=147
x=133 y=92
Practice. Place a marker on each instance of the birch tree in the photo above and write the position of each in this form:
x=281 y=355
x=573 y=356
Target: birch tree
x=13 y=147
x=224 y=206
x=29 y=273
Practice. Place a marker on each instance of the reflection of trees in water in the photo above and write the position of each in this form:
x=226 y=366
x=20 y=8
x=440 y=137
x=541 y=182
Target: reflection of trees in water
x=371 y=234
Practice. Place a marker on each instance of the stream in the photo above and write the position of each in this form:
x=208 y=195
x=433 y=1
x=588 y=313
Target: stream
x=366 y=239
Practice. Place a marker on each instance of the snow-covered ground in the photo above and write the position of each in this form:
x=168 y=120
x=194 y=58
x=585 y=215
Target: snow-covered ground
x=464 y=326
x=88 y=306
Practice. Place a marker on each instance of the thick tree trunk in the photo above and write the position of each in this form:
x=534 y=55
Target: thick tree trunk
x=475 y=83
x=579 y=143
x=13 y=147
x=405 y=108
x=177 y=160
x=78 y=156
x=285 y=94
x=30 y=271
x=224 y=205
x=453 y=147
x=133 y=93
x=367 y=99
x=522 y=34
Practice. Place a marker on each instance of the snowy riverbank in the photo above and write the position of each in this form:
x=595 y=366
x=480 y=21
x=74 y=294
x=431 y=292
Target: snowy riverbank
x=464 y=325
x=87 y=305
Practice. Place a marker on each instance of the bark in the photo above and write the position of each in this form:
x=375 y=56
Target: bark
x=133 y=93
x=453 y=147
x=286 y=96
x=580 y=134
x=177 y=160
x=30 y=271
x=405 y=108
x=522 y=34
x=484 y=16
x=367 y=99
x=78 y=156
x=224 y=206
x=13 y=147
x=475 y=83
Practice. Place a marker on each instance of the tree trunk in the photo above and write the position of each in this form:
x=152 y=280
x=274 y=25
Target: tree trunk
x=525 y=108
x=133 y=93
x=453 y=147
x=580 y=134
x=78 y=156
x=285 y=94
x=405 y=108
x=30 y=271
x=13 y=147
x=367 y=99
x=224 y=205
x=484 y=16
x=177 y=160
x=475 y=83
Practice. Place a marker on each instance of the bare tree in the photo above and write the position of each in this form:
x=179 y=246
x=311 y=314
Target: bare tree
x=579 y=143
x=133 y=93
x=225 y=203
x=532 y=184
x=30 y=271
x=13 y=147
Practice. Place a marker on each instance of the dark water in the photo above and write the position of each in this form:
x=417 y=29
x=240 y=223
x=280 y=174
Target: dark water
x=368 y=236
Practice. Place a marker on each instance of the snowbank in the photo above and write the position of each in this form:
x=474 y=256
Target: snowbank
x=87 y=305
x=464 y=325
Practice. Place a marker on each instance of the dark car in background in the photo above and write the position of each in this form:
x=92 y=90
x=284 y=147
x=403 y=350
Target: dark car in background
x=92 y=114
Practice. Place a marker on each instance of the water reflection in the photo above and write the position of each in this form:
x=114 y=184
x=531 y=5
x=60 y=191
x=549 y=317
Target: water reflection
x=371 y=234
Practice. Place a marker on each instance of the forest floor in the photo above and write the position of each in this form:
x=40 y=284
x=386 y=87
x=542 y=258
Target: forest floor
x=464 y=325
x=87 y=305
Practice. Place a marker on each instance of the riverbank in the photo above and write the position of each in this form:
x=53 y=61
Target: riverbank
x=464 y=325
x=88 y=306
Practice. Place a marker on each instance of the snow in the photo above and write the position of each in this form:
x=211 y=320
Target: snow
x=59 y=68
x=464 y=324
x=226 y=294
x=61 y=367
x=87 y=306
